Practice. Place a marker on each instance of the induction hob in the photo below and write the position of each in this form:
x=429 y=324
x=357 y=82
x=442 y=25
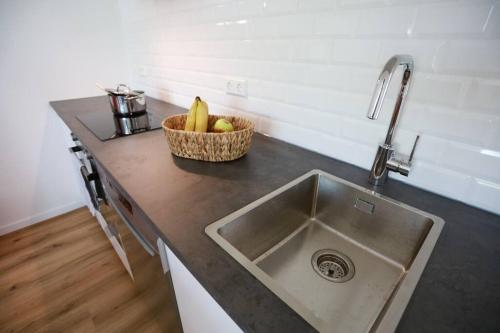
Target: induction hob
x=107 y=126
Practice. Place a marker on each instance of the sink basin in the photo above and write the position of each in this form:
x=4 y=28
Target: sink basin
x=343 y=257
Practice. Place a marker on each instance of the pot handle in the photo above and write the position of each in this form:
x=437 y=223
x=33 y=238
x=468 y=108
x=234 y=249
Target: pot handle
x=126 y=90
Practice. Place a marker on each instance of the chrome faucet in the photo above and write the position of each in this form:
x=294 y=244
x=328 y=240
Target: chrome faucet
x=386 y=158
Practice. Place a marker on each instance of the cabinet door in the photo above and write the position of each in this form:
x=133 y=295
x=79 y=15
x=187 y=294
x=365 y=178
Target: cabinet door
x=76 y=165
x=199 y=312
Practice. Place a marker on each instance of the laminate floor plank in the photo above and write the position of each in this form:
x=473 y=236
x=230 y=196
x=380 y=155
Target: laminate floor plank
x=62 y=275
x=50 y=263
x=61 y=294
x=23 y=286
x=40 y=231
x=53 y=248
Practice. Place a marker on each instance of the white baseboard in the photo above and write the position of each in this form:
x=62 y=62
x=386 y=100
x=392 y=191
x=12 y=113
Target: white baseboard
x=19 y=224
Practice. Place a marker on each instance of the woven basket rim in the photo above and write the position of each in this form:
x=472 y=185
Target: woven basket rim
x=250 y=128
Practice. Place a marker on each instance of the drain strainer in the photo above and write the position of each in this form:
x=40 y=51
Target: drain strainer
x=332 y=265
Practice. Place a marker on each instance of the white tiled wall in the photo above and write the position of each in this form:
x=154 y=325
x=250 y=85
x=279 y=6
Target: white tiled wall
x=311 y=66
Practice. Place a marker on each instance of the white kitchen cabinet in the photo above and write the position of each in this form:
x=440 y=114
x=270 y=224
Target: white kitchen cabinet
x=198 y=310
x=69 y=142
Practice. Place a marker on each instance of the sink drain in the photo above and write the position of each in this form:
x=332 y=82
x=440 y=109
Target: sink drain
x=333 y=265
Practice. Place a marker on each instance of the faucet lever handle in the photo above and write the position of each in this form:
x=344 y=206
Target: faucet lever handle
x=413 y=149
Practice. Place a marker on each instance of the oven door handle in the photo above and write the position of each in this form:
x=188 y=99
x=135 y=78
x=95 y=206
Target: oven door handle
x=75 y=149
x=78 y=152
x=148 y=248
x=87 y=178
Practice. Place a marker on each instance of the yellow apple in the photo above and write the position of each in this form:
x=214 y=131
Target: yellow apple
x=223 y=125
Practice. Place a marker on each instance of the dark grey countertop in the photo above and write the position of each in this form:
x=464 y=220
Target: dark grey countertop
x=459 y=290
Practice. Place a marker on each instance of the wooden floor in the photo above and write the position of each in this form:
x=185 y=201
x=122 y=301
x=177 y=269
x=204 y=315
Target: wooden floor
x=62 y=275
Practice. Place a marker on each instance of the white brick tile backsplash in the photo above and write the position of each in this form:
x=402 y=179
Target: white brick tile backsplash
x=354 y=105
x=493 y=26
x=454 y=125
x=349 y=79
x=286 y=72
x=311 y=67
x=316 y=4
x=249 y=8
x=358 y=79
x=275 y=91
x=485 y=194
x=337 y=23
x=356 y=52
x=279 y=6
x=281 y=26
x=294 y=134
x=441 y=180
x=315 y=51
x=349 y=151
x=437 y=89
x=469 y=57
x=222 y=13
x=228 y=30
x=423 y=51
x=324 y=76
x=324 y=122
x=277 y=50
x=307 y=97
x=483 y=95
x=429 y=149
x=362 y=131
x=451 y=18
x=494 y=141
x=395 y=21
x=362 y=3
x=219 y=49
x=471 y=160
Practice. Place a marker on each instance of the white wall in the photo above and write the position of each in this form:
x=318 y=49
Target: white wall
x=49 y=50
x=312 y=65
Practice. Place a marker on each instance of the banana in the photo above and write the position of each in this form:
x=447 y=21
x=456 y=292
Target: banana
x=201 y=117
x=191 y=117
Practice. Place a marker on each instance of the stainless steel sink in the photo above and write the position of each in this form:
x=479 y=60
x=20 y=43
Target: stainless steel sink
x=343 y=257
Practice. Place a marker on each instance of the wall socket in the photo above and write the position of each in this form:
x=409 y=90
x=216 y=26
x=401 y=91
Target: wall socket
x=237 y=87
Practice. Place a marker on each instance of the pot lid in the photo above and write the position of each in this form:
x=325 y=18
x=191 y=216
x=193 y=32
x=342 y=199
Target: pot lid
x=124 y=90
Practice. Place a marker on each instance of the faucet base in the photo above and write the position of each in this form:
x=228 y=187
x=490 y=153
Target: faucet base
x=379 y=171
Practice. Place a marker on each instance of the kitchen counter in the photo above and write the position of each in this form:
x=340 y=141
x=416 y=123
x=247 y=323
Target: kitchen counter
x=459 y=290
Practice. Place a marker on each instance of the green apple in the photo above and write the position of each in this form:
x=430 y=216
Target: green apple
x=223 y=125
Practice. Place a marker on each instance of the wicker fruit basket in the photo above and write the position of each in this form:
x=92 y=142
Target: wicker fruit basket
x=213 y=147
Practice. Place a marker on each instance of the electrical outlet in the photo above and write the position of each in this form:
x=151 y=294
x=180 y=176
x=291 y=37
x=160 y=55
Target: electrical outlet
x=237 y=87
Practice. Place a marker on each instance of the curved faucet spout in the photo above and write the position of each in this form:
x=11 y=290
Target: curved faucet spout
x=382 y=85
x=385 y=159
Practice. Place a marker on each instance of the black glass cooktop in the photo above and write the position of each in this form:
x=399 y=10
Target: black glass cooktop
x=104 y=126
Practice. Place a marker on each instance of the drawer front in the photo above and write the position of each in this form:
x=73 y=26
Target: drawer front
x=130 y=212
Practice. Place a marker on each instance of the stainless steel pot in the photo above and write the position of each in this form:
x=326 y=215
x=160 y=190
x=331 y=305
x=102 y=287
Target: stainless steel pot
x=125 y=101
